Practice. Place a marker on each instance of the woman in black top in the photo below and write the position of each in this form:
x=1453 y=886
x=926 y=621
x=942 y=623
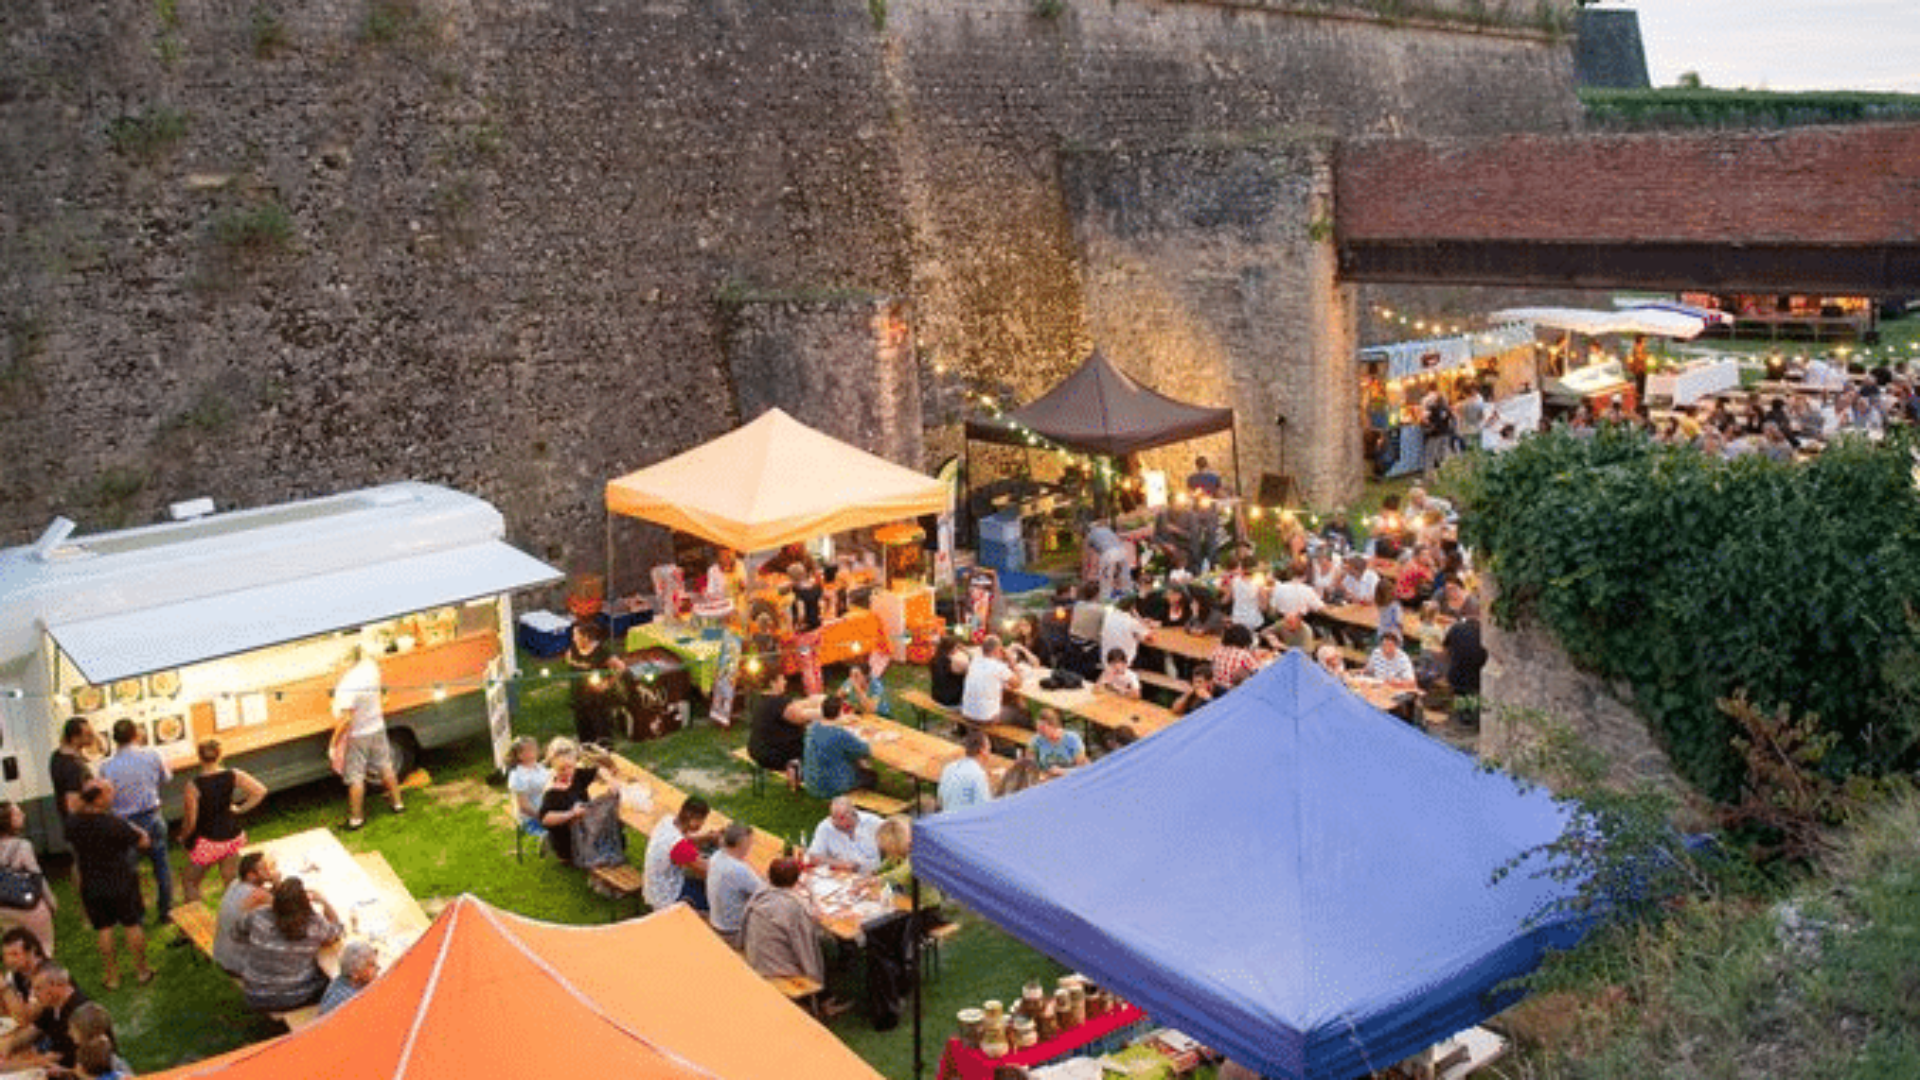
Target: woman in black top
x=806 y=599
x=947 y=672
x=210 y=826
x=565 y=799
x=102 y=848
x=595 y=672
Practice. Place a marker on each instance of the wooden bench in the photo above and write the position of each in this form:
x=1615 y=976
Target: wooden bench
x=1008 y=733
x=295 y=1019
x=875 y=802
x=924 y=704
x=931 y=943
x=1160 y=680
x=759 y=773
x=621 y=881
x=197 y=923
x=796 y=987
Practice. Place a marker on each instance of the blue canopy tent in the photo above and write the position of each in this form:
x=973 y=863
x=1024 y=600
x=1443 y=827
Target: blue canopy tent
x=1288 y=875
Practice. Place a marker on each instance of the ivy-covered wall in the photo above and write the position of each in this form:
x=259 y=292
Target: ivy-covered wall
x=1691 y=577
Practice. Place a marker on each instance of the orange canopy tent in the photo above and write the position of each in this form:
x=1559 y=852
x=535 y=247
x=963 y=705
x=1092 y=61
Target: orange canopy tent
x=773 y=482
x=487 y=993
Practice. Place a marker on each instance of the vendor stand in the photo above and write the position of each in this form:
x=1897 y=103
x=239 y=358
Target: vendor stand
x=771 y=486
x=1396 y=377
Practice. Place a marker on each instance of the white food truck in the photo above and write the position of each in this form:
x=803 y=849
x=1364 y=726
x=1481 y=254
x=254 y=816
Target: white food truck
x=237 y=625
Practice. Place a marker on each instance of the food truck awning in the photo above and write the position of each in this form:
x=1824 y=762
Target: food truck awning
x=206 y=628
x=1653 y=321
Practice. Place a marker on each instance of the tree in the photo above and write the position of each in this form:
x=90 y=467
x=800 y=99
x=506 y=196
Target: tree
x=1689 y=80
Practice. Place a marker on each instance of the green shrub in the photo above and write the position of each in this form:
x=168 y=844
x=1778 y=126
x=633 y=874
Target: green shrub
x=148 y=133
x=260 y=228
x=1695 y=578
x=269 y=32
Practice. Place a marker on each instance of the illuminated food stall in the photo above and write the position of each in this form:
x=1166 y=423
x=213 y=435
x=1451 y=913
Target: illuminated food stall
x=237 y=626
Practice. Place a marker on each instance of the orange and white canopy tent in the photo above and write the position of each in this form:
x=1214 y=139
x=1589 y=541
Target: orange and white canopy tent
x=488 y=993
x=775 y=481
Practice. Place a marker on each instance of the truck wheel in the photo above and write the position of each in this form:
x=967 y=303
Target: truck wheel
x=405 y=749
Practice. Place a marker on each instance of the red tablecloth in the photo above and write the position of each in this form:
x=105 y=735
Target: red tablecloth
x=966 y=1063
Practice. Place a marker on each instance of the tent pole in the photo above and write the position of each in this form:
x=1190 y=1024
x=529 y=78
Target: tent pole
x=913 y=967
x=1233 y=438
x=607 y=584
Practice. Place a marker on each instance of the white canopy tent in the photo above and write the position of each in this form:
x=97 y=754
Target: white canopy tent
x=1655 y=322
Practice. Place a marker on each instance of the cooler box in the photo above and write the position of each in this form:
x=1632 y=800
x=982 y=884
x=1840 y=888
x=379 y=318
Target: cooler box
x=542 y=633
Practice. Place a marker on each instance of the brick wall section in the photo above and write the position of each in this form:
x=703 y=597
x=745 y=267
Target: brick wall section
x=1813 y=186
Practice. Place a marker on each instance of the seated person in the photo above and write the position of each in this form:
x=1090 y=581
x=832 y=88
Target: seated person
x=778 y=931
x=964 y=781
x=1021 y=775
x=1328 y=656
x=1387 y=607
x=864 y=691
x=359 y=966
x=24 y=956
x=947 y=671
x=1390 y=664
x=1291 y=632
x=1055 y=749
x=46 y=1039
x=732 y=881
x=1293 y=595
x=1121 y=629
x=833 y=759
x=845 y=840
x=777 y=739
x=895 y=840
x=284 y=940
x=675 y=866
x=527 y=780
x=96 y=1053
x=1359 y=583
x=983 y=697
x=252 y=890
x=1088 y=616
x=1024 y=644
x=1456 y=601
x=1233 y=660
x=1199 y=690
x=565 y=799
x=1117 y=677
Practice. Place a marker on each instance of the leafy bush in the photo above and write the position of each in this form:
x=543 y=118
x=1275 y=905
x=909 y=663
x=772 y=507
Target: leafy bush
x=1693 y=578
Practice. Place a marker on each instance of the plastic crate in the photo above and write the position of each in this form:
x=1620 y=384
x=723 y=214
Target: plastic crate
x=1001 y=528
x=1003 y=557
x=542 y=633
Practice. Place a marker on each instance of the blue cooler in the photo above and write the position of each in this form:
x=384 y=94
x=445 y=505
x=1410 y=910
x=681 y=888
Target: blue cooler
x=543 y=633
x=1000 y=545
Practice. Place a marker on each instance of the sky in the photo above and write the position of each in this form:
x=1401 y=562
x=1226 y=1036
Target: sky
x=1783 y=44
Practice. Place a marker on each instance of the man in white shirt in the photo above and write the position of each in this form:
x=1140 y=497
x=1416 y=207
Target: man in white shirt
x=675 y=868
x=1123 y=630
x=847 y=839
x=964 y=782
x=982 y=695
x=1359 y=584
x=360 y=741
x=1293 y=597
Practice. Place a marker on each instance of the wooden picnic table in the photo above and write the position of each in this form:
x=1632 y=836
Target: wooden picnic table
x=921 y=755
x=372 y=902
x=1182 y=642
x=1096 y=707
x=662 y=800
x=1366 y=618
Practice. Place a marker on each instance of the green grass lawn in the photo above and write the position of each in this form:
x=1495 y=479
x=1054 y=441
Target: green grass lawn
x=455 y=838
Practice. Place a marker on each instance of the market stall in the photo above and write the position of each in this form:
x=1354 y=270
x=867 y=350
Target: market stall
x=1395 y=378
x=1100 y=410
x=769 y=487
x=1265 y=938
x=488 y=993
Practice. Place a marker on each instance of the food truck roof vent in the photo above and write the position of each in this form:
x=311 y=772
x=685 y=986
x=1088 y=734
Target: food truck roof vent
x=47 y=548
x=192 y=508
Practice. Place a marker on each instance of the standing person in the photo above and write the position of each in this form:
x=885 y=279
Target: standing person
x=1471 y=416
x=210 y=824
x=282 y=970
x=360 y=741
x=16 y=853
x=1203 y=480
x=1112 y=557
x=675 y=868
x=732 y=881
x=138 y=773
x=983 y=695
x=72 y=765
x=595 y=686
x=1437 y=426
x=103 y=846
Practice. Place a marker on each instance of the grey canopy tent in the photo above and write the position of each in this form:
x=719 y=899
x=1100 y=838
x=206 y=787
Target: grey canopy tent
x=1100 y=409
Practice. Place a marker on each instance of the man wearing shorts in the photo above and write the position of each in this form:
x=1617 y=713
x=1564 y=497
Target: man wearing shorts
x=360 y=742
x=103 y=846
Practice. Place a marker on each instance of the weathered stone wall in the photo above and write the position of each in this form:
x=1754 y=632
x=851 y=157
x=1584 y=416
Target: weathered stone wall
x=1528 y=672
x=260 y=250
x=1195 y=259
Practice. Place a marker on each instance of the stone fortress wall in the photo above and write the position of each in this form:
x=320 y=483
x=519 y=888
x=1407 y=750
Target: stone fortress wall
x=259 y=249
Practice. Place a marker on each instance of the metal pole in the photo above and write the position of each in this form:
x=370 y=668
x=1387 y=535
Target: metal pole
x=1233 y=436
x=607 y=585
x=913 y=965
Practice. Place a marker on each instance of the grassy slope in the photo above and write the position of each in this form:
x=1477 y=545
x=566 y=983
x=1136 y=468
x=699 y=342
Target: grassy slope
x=454 y=839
